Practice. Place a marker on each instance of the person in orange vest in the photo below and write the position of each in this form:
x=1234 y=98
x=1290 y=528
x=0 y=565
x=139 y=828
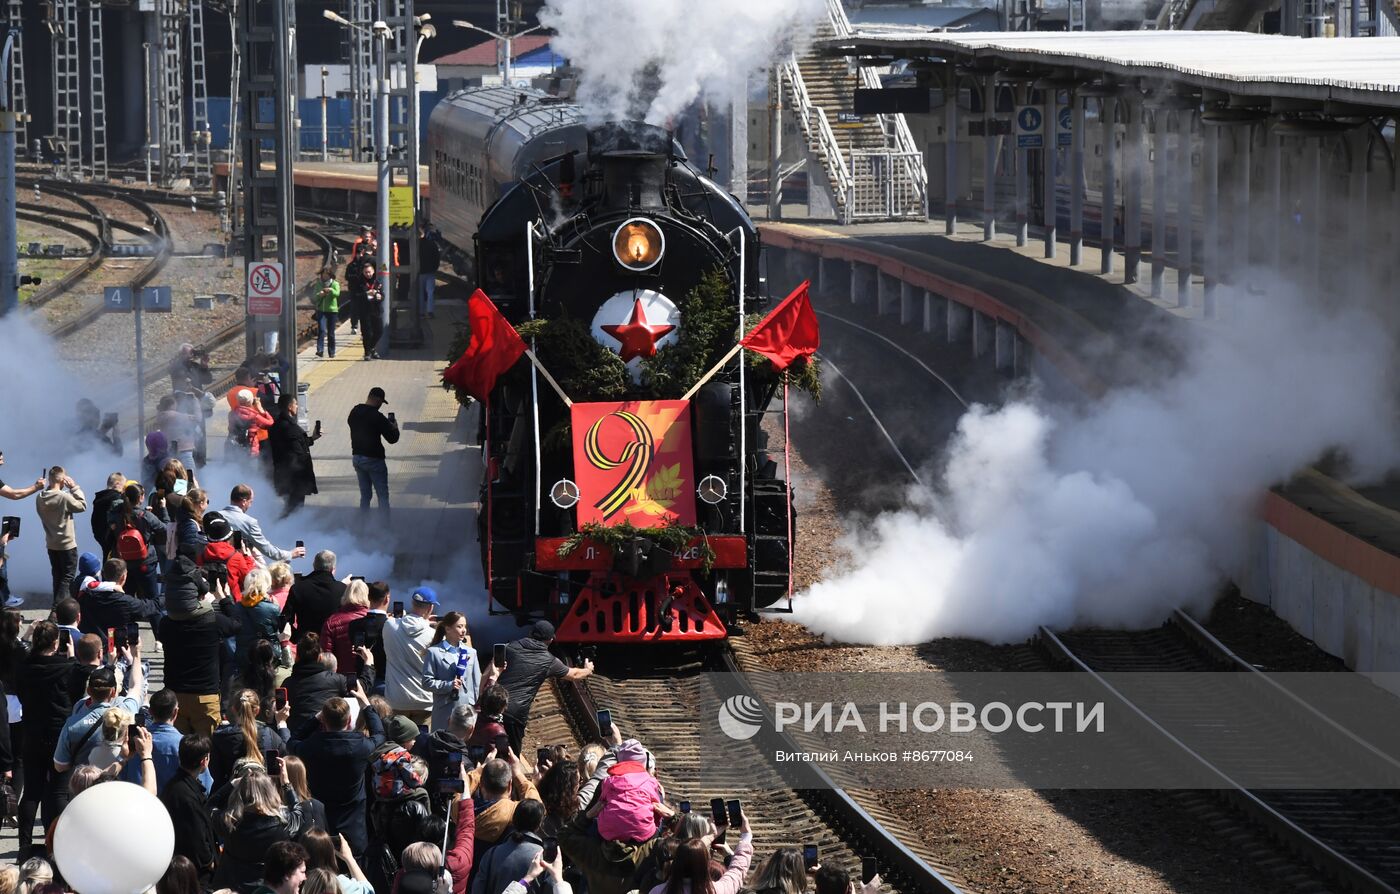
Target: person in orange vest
x=243 y=378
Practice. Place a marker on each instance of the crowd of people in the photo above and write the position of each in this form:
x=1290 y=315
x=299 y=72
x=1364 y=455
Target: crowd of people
x=313 y=734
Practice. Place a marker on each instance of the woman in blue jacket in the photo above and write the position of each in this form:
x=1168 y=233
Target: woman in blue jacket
x=451 y=671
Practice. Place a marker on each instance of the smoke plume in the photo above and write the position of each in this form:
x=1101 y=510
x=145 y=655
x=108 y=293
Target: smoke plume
x=651 y=59
x=1115 y=514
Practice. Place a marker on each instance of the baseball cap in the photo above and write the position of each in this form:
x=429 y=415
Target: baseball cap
x=104 y=678
x=378 y=392
x=425 y=596
x=542 y=631
x=216 y=527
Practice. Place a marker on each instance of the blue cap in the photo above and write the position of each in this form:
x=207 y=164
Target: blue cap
x=89 y=564
x=425 y=596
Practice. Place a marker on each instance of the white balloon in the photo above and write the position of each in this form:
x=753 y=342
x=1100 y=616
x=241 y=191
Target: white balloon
x=114 y=838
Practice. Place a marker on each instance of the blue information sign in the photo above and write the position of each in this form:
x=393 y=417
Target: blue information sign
x=1029 y=123
x=117 y=298
x=1065 y=119
x=156 y=299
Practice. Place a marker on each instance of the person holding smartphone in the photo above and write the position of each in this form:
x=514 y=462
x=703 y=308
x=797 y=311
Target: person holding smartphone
x=293 y=470
x=369 y=430
x=451 y=671
x=690 y=867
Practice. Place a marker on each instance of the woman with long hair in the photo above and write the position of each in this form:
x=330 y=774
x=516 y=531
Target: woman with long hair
x=451 y=671
x=322 y=852
x=261 y=811
x=321 y=881
x=784 y=872
x=258 y=672
x=132 y=514
x=690 y=867
x=313 y=811
x=559 y=792
x=243 y=738
x=180 y=877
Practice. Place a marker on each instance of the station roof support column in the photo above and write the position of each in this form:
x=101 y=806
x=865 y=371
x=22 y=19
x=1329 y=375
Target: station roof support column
x=1108 y=202
x=1022 y=159
x=1210 y=213
x=950 y=149
x=1242 y=234
x=1184 y=208
x=1049 y=95
x=1076 y=176
x=989 y=156
x=1161 y=116
x=1135 y=159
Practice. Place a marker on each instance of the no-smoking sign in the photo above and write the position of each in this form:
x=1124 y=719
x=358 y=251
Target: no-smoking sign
x=265 y=289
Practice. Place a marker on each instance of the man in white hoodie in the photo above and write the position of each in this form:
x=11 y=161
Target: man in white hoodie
x=406 y=641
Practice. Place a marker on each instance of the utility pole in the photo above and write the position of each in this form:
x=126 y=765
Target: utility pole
x=325 y=150
x=9 y=227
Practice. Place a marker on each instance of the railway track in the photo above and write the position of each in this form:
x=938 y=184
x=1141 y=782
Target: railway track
x=658 y=707
x=1350 y=836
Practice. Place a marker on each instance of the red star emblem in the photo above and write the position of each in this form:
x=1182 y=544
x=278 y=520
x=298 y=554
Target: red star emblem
x=637 y=337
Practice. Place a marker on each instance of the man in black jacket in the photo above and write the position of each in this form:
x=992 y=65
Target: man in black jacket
x=369 y=429
x=185 y=800
x=312 y=682
x=106 y=607
x=336 y=759
x=103 y=502
x=46 y=702
x=192 y=647
x=313 y=598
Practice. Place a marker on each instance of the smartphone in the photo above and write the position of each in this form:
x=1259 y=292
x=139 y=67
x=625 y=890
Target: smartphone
x=65 y=639
x=809 y=855
x=454 y=764
x=498 y=654
x=112 y=639
x=392 y=420
x=281 y=696
x=868 y=870
x=455 y=785
x=357 y=577
x=551 y=850
x=12 y=526
x=398 y=609
x=717 y=812
x=237 y=539
x=605 y=723
x=350 y=682
x=736 y=815
x=502 y=746
x=318 y=427
x=301 y=544
x=685 y=807
x=131 y=736
x=476 y=754
x=541 y=755
x=272 y=760
x=357 y=639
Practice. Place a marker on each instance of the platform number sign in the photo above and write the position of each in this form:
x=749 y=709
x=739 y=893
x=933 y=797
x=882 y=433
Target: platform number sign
x=1065 y=119
x=117 y=298
x=265 y=289
x=1029 y=124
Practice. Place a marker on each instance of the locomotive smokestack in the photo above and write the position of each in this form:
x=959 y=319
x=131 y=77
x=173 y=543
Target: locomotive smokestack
x=633 y=180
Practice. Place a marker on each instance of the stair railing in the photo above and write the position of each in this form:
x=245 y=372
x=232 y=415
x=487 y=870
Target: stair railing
x=817 y=130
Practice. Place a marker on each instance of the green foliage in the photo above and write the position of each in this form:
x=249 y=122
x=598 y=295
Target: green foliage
x=804 y=374
x=455 y=349
x=707 y=331
x=672 y=538
x=586 y=370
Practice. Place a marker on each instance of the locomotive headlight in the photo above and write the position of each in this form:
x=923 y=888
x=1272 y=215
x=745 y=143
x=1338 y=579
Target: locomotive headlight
x=638 y=244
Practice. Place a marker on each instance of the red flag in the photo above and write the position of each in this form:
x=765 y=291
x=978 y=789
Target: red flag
x=493 y=349
x=788 y=332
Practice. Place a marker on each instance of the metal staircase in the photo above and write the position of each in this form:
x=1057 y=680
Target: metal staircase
x=875 y=169
x=97 y=92
x=362 y=85
x=200 y=136
x=19 y=102
x=67 y=86
x=171 y=90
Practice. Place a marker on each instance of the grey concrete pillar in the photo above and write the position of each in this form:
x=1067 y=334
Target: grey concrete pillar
x=1273 y=160
x=1184 y=208
x=1022 y=157
x=959 y=321
x=935 y=315
x=1240 y=224
x=950 y=153
x=865 y=282
x=1048 y=174
x=1004 y=353
x=1210 y=212
x=1135 y=159
x=1312 y=230
x=1076 y=179
x=1358 y=217
x=909 y=304
x=834 y=277
x=1160 y=120
x=886 y=292
x=983 y=333
x=989 y=157
x=1108 y=201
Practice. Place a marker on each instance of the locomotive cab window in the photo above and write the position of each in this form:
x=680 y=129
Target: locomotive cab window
x=638 y=244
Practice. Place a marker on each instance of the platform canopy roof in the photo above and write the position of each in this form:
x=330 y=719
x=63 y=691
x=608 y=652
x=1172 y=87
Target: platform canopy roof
x=1363 y=71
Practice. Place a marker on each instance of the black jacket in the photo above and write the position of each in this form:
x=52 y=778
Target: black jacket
x=101 y=517
x=245 y=846
x=227 y=749
x=335 y=770
x=308 y=688
x=192 y=649
x=43 y=693
x=312 y=600
x=429 y=256
x=293 y=473
x=106 y=608
x=185 y=585
x=194 y=829
x=367 y=426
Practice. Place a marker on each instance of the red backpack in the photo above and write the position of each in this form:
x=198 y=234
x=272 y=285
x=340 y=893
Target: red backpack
x=131 y=544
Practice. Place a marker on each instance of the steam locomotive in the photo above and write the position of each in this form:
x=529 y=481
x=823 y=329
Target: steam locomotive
x=630 y=512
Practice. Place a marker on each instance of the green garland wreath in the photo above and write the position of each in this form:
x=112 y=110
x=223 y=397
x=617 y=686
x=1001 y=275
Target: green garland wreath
x=672 y=537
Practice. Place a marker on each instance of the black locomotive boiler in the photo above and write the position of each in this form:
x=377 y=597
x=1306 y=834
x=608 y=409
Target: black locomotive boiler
x=629 y=509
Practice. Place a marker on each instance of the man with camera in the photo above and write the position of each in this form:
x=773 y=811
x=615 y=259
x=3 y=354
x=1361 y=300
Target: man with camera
x=369 y=429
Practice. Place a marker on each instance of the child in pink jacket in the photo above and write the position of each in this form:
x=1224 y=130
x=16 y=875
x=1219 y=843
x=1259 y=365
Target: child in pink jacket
x=628 y=796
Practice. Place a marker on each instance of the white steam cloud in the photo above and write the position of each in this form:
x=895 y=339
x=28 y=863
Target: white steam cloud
x=625 y=49
x=1117 y=514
